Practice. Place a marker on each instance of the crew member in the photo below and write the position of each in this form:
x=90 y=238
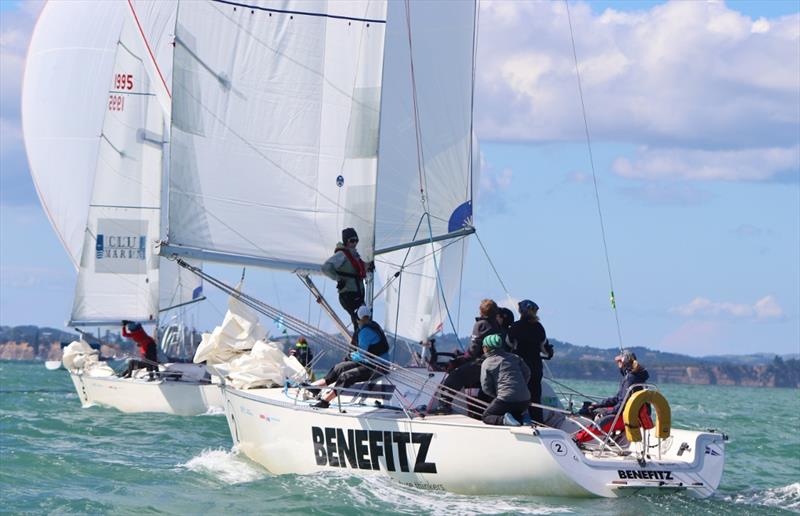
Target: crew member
x=147 y=348
x=467 y=374
x=504 y=377
x=605 y=412
x=348 y=270
x=303 y=354
x=529 y=340
x=633 y=373
x=360 y=367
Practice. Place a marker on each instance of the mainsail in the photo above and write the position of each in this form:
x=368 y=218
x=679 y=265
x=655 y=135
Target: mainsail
x=71 y=55
x=292 y=120
x=274 y=130
x=119 y=269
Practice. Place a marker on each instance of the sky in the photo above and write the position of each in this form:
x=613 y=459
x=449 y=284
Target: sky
x=693 y=109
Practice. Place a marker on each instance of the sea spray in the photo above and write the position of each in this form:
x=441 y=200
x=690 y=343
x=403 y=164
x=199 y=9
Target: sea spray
x=226 y=466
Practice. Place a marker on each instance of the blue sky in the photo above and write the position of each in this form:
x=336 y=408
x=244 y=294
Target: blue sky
x=694 y=110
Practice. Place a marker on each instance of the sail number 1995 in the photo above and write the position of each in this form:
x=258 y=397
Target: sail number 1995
x=122 y=82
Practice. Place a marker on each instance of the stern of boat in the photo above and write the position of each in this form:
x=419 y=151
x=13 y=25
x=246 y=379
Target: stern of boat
x=687 y=460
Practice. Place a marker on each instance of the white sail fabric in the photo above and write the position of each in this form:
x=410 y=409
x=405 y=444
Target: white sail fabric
x=441 y=52
x=64 y=98
x=274 y=130
x=441 y=49
x=118 y=275
x=415 y=308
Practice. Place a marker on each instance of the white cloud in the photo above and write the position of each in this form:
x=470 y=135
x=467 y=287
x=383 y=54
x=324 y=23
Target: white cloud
x=696 y=74
x=660 y=193
x=765 y=308
x=761 y=164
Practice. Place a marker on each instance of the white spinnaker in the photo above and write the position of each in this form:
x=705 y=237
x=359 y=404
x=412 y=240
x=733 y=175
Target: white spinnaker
x=64 y=99
x=273 y=107
x=441 y=35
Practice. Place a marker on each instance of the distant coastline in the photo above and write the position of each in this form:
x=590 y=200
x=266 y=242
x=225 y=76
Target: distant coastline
x=570 y=361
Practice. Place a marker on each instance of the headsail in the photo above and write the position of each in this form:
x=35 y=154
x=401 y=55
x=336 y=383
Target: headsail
x=274 y=129
x=119 y=270
x=426 y=170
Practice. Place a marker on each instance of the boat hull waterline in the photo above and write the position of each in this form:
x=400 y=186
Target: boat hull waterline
x=454 y=453
x=133 y=395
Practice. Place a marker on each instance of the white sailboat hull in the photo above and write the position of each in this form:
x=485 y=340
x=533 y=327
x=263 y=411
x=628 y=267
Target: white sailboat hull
x=454 y=453
x=182 y=398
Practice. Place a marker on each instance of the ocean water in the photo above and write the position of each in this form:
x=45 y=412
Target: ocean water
x=58 y=458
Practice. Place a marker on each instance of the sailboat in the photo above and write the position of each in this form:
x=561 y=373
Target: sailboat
x=292 y=120
x=120 y=277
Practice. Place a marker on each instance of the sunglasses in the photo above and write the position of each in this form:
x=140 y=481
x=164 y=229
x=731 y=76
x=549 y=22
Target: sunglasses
x=352 y=240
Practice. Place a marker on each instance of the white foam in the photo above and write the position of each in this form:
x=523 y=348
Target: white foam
x=375 y=492
x=214 y=411
x=786 y=497
x=226 y=466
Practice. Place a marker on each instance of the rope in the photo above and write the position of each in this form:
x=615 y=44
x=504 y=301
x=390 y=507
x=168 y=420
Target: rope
x=594 y=177
x=377 y=364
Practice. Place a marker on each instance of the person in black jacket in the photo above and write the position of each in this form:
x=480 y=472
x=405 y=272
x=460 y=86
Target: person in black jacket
x=466 y=371
x=529 y=340
x=505 y=318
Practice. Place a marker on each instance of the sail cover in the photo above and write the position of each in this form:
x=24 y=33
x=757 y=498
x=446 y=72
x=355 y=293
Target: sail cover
x=71 y=55
x=275 y=110
x=426 y=170
x=119 y=271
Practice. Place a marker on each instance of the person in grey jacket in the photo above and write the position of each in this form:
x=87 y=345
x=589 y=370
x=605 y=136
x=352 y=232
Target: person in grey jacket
x=504 y=376
x=348 y=270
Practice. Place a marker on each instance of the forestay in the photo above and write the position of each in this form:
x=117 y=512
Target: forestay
x=274 y=130
x=64 y=99
x=426 y=170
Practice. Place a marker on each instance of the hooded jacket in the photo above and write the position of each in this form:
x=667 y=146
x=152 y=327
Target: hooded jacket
x=505 y=376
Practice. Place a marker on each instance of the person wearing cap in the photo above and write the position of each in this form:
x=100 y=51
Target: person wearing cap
x=147 y=348
x=361 y=365
x=504 y=377
x=348 y=270
x=467 y=373
x=528 y=339
x=632 y=373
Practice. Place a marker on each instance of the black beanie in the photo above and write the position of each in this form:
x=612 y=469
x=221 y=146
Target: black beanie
x=347 y=234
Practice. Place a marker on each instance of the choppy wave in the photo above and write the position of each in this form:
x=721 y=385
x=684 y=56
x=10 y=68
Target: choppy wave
x=373 y=493
x=786 y=497
x=225 y=466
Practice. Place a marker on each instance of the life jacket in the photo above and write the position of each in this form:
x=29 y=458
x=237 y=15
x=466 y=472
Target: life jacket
x=380 y=347
x=357 y=263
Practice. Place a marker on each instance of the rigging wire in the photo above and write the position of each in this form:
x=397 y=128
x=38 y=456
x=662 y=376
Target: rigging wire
x=594 y=176
x=491 y=263
x=400 y=374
